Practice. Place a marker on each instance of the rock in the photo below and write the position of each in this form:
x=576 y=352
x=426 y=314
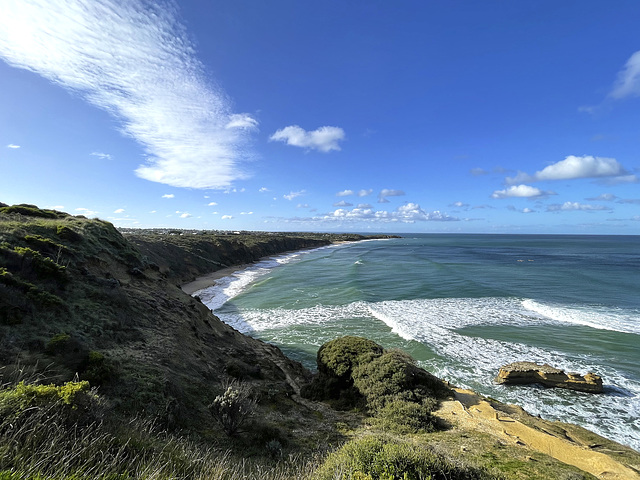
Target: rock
x=524 y=373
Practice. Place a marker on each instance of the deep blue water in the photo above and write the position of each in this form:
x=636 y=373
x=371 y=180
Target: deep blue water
x=463 y=305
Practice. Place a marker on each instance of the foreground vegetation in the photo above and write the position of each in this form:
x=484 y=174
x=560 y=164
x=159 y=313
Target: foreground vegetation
x=109 y=371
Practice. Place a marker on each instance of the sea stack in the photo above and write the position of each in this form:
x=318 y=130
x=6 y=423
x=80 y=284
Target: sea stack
x=525 y=373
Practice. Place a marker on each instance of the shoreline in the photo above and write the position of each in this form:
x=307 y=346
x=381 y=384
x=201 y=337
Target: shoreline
x=210 y=279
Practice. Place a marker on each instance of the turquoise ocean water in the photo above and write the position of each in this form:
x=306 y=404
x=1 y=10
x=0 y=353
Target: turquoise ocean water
x=462 y=306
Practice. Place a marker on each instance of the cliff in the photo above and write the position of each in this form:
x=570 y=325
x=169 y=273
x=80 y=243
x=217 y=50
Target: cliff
x=81 y=301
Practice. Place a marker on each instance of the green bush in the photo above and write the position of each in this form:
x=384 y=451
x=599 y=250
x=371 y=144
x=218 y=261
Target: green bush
x=394 y=375
x=58 y=344
x=41 y=265
x=339 y=357
x=98 y=370
x=378 y=458
x=67 y=233
x=28 y=211
x=23 y=396
x=403 y=417
x=233 y=408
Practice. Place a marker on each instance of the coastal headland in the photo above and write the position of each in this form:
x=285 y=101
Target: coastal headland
x=99 y=319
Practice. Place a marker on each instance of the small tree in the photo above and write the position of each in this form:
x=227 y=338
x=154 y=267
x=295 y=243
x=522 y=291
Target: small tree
x=233 y=408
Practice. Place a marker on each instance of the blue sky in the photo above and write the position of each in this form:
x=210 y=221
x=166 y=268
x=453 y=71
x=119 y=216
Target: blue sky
x=408 y=116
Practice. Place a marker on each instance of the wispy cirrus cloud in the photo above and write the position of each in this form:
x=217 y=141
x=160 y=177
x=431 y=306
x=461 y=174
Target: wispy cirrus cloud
x=134 y=60
x=627 y=83
x=573 y=167
x=384 y=193
x=292 y=195
x=101 y=156
x=323 y=139
x=344 y=193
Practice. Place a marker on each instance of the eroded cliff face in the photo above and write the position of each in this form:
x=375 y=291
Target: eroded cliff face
x=77 y=297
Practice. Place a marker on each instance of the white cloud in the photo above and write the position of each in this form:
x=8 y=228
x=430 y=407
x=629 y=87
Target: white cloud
x=185 y=215
x=344 y=193
x=120 y=210
x=573 y=167
x=364 y=205
x=168 y=195
x=382 y=196
x=134 y=60
x=605 y=197
x=56 y=207
x=101 y=156
x=212 y=204
x=459 y=204
x=408 y=213
x=568 y=206
x=628 y=82
x=365 y=193
x=246 y=213
x=342 y=203
x=263 y=190
x=86 y=212
x=292 y=195
x=527 y=210
x=324 y=139
x=619 y=180
x=227 y=217
x=242 y=120
x=525 y=191
x=302 y=205
x=13 y=146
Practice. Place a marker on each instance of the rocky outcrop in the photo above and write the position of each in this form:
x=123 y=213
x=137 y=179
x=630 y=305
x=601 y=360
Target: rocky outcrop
x=524 y=373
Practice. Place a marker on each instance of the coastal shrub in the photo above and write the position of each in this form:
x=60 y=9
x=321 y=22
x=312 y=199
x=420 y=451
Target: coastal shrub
x=394 y=375
x=67 y=233
x=233 y=408
x=58 y=344
x=28 y=211
x=381 y=458
x=42 y=265
x=403 y=417
x=98 y=369
x=337 y=358
x=23 y=396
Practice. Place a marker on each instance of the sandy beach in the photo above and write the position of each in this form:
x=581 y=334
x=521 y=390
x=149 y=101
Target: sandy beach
x=210 y=279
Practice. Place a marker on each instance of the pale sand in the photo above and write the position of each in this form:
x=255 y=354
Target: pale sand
x=210 y=279
x=470 y=410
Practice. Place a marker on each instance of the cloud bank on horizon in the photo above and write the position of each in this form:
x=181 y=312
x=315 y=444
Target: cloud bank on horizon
x=134 y=60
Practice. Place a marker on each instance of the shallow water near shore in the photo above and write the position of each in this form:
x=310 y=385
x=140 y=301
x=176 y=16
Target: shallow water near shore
x=463 y=305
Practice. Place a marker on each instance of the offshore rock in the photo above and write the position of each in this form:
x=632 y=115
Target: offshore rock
x=525 y=373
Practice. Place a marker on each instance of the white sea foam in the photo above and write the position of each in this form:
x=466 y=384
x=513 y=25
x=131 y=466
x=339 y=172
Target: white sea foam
x=594 y=316
x=473 y=361
x=233 y=285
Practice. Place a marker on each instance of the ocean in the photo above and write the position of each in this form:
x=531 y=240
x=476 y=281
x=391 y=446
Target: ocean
x=462 y=306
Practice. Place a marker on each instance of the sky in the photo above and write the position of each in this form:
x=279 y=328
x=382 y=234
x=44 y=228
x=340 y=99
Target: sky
x=351 y=116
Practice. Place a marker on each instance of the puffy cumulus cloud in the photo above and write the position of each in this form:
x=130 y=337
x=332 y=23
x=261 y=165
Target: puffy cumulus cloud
x=13 y=146
x=323 y=139
x=168 y=195
x=342 y=203
x=119 y=210
x=344 y=193
x=365 y=205
x=292 y=195
x=227 y=217
x=573 y=167
x=101 y=156
x=628 y=82
x=524 y=191
x=185 y=215
x=263 y=190
x=212 y=204
x=134 y=60
x=408 y=213
x=382 y=196
x=572 y=206
x=527 y=210
x=365 y=193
